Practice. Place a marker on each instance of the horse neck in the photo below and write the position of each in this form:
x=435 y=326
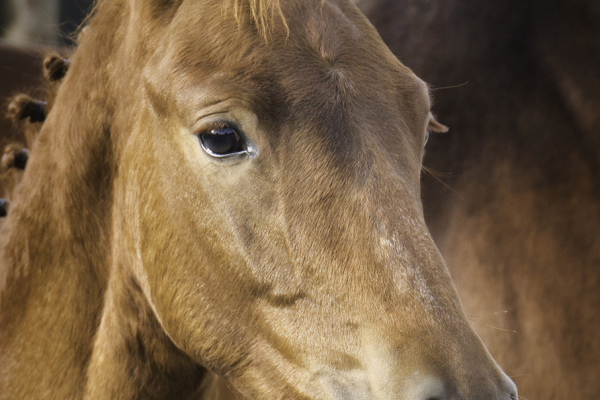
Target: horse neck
x=55 y=246
x=63 y=299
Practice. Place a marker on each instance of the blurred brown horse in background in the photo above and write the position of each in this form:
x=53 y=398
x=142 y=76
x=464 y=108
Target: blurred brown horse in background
x=227 y=200
x=20 y=71
x=520 y=225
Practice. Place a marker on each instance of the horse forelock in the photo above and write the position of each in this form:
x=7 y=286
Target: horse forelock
x=264 y=13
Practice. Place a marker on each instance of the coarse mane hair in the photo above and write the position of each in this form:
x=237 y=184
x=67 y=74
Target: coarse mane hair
x=264 y=14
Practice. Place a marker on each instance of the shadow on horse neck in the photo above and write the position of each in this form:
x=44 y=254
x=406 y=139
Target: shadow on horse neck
x=225 y=201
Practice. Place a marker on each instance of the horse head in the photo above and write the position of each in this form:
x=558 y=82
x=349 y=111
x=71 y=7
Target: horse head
x=243 y=183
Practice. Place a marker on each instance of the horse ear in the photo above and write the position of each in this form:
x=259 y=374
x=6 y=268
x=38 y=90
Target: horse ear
x=55 y=67
x=435 y=126
x=3 y=207
x=23 y=106
x=15 y=156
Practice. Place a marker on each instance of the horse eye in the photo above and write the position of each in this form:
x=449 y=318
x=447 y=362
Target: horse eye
x=426 y=139
x=221 y=141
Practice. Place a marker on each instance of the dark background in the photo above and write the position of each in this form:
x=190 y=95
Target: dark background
x=71 y=14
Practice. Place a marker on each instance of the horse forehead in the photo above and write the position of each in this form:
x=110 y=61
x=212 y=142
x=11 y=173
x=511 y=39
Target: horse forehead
x=330 y=32
x=334 y=41
x=330 y=57
x=315 y=31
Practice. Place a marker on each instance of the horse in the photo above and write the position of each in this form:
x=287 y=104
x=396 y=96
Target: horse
x=20 y=71
x=519 y=220
x=223 y=201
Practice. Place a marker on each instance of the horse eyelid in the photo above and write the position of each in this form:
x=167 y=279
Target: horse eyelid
x=218 y=123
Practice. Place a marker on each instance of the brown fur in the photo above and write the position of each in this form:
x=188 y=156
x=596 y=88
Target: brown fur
x=519 y=228
x=135 y=265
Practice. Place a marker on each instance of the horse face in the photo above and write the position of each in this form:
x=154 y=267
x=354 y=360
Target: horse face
x=269 y=208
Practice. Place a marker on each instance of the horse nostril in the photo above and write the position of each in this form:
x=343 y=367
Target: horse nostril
x=431 y=389
x=509 y=387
